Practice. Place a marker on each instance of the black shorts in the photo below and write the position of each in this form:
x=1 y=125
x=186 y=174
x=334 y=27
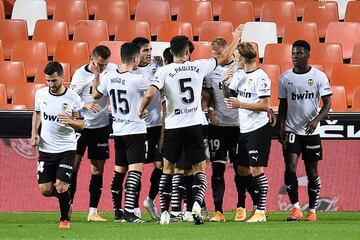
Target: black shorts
x=152 y=146
x=52 y=166
x=308 y=146
x=190 y=139
x=129 y=149
x=184 y=162
x=223 y=143
x=254 y=147
x=97 y=142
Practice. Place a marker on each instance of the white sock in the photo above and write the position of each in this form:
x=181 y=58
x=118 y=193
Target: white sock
x=92 y=210
x=296 y=205
x=260 y=211
x=175 y=213
x=312 y=210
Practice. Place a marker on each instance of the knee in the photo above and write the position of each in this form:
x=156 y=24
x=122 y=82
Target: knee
x=45 y=190
x=256 y=171
x=199 y=167
x=158 y=165
x=61 y=187
x=243 y=171
x=97 y=172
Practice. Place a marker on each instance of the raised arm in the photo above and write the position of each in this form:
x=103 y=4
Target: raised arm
x=224 y=57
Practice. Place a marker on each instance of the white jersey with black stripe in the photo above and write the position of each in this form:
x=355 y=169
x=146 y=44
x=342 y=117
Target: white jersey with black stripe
x=182 y=85
x=56 y=137
x=303 y=93
x=250 y=87
x=81 y=83
x=125 y=90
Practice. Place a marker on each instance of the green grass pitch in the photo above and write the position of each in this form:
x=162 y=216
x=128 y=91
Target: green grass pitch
x=35 y=225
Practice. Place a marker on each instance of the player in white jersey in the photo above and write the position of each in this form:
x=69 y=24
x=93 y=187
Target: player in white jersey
x=95 y=134
x=253 y=93
x=300 y=90
x=148 y=67
x=125 y=90
x=182 y=82
x=55 y=107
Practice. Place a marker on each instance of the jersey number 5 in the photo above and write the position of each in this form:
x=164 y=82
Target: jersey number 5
x=188 y=89
x=119 y=103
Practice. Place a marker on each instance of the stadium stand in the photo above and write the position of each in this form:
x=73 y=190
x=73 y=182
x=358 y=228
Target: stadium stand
x=212 y=29
x=3 y=96
x=12 y=73
x=338 y=99
x=168 y=29
x=40 y=75
x=301 y=30
x=273 y=72
x=128 y=30
x=11 y=30
x=24 y=94
x=202 y=50
x=237 y=12
x=277 y=53
x=355 y=56
x=114 y=47
x=352 y=11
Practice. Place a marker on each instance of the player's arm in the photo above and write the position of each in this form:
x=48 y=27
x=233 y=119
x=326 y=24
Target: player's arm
x=76 y=124
x=311 y=126
x=95 y=92
x=36 y=120
x=282 y=118
x=228 y=92
x=224 y=57
x=149 y=94
x=262 y=105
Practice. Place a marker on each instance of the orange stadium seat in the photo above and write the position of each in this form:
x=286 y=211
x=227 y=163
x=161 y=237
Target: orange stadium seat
x=12 y=107
x=326 y=54
x=217 y=6
x=347 y=75
x=12 y=73
x=175 y=5
x=73 y=52
x=322 y=13
x=301 y=31
x=355 y=57
x=51 y=32
x=352 y=13
x=154 y=12
x=12 y=30
x=8 y=6
x=31 y=53
x=128 y=30
x=50 y=6
x=114 y=47
x=92 y=6
x=196 y=13
x=258 y=4
x=71 y=11
x=211 y=29
x=356 y=100
x=202 y=50
x=300 y=7
x=40 y=75
x=1 y=52
x=273 y=72
x=24 y=94
x=279 y=12
x=169 y=29
x=112 y=11
x=237 y=12
x=3 y=96
x=278 y=53
x=132 y=6
x=2 y=10
x=338 y=99
x=91 y=31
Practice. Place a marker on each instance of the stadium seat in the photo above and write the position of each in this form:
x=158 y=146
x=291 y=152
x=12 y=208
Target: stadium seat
x=128 y=30
x=217 y=6
x=237 y=12
x=196 y=13
x=341 y=7
x=175 y=5
x=8 y=6
x=1 y=52
x=279 y=12
x=300 y=7
x=50 y=6
x=273 y=72
x=91 y=31
x=92 y=6
x=169 y=29
x=73 y=52
x=31 y=53
x=352 y=11
x=30 y=11
x=24 y=94
x=71 y=11
x=338 y=99
x=51 y=32
x=301 y=31
x=12 y=30
x=262 y=33
x=258 y=4
x=202 y=50
x=345 y=33
x=114 y=47
x=2 y=10
x=112 y=11
x=355 y=57
x=346 y=75
x=158 y=48
x=132 y=6
x=278 y=53
x=40 y=75
x=154 y=12
x=322 y=13
x=326 y=54
x=356 y=100
x=3 y=96
x=12 y=107
x=211 y=29
x=12 y=73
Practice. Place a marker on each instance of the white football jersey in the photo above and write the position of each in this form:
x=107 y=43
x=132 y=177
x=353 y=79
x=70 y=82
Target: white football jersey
x=303 y=93
x=81 y=83
x=182 y=85
x=225 y=116
x=154 y=117
x=250 y=87
x=56 y=137
x=125 y=90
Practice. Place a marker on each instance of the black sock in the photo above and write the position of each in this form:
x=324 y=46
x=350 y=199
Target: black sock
x=165 y=188
x=95 y=189
x=117 y=189
x=263 y=190
x=132 y=184
x=199 y=187
x=64 y=204
x=291 y=184
x=218 y=184
x=154 y=183
x=176 y=196
x=253 y=189
x=73 y=185
x=189 y=180
x=314 y=186
x=240 y=183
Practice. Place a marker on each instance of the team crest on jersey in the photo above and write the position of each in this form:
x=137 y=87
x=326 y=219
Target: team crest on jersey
x=65 y=106
x=249 y=81
x=153 y=71
x=311 y=82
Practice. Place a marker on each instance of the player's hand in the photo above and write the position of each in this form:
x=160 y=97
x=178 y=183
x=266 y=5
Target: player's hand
x=143 y=114
x=64 y=118
x=158 y=60
x=232 y=103
x=272 y=117
x=213 y=117
x=238 y=31
x=228 y=74
x=94 y=68
x=35 y=140
x=94 y=107
x=311 y=126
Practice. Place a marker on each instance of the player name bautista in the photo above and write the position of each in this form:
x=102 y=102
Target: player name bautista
x=184 y=68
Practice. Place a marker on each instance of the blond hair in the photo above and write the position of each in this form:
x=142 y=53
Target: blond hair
x=248 y=51
x=218 y=41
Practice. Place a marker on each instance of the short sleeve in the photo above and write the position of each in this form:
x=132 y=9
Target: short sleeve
x=159 y=78
x=207 y=81
x=324 y=88
x=143 y=83
x=77 y=83
x=282 y=90
x=207 y=65
x=102 y=88
x=37 y=102
x=263 y=86
x=235 y=80
x=78 y=104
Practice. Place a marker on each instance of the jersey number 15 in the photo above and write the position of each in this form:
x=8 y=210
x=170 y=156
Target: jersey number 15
x=119 y=102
